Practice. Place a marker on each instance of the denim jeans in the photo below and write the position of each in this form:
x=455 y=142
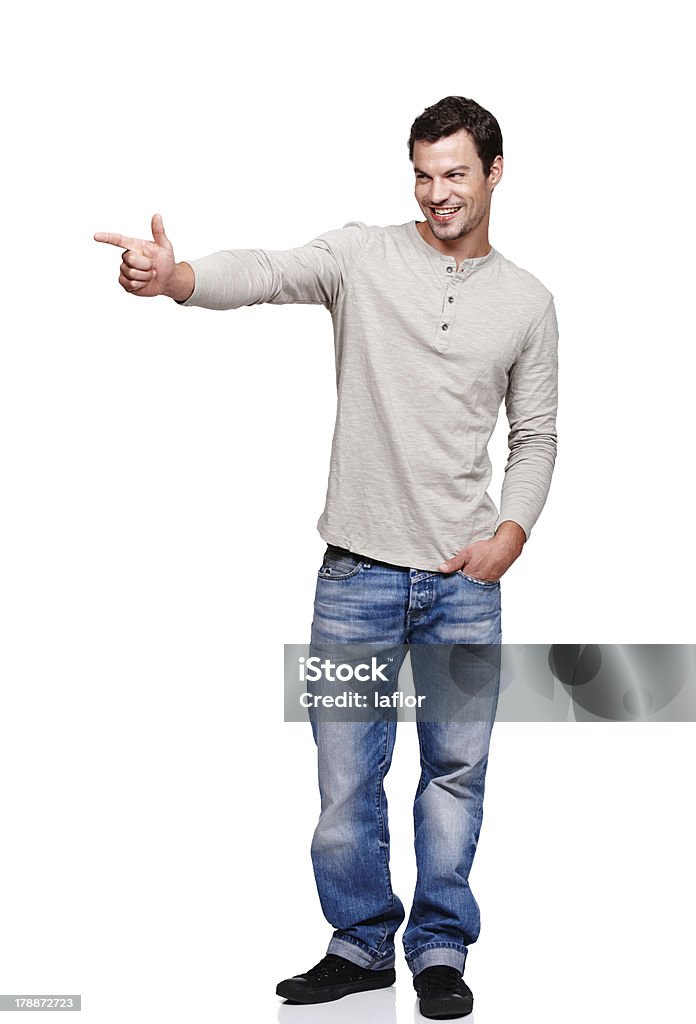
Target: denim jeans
x=363 y=601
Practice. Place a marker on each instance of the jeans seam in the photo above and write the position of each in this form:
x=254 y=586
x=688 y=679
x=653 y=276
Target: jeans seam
x=382 y=827
x=422 y=785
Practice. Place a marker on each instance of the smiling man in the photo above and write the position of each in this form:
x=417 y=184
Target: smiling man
x=434 y=330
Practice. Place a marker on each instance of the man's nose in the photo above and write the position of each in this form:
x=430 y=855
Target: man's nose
x=439 y=190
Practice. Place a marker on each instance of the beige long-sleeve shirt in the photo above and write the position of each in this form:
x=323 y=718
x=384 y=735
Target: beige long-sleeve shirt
x=425 y=355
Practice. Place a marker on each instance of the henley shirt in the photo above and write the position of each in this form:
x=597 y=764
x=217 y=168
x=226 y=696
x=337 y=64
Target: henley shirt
x=425 y=354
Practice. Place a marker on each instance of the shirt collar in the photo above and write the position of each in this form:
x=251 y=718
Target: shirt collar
x=472 y=263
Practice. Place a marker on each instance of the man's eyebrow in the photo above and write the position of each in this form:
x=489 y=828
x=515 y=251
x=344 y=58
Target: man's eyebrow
x=459 y=167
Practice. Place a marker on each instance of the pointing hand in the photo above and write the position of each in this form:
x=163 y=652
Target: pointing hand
x=147 y=267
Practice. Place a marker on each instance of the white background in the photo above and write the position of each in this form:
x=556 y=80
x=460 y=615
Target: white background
x=163 y=470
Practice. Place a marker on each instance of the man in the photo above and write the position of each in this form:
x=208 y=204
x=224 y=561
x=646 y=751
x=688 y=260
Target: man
x=433 y=330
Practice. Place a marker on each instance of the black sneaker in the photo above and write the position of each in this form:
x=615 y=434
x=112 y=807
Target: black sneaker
x=443 y=993
x=332 y=978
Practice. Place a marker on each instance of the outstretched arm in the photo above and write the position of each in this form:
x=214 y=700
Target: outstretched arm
x=311 y=273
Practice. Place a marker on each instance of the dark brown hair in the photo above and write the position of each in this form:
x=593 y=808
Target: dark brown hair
x=450 y=115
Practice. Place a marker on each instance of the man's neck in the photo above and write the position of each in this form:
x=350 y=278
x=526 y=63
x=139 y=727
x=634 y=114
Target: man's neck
x=468 y=247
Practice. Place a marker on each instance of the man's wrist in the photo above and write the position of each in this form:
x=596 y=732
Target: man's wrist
x=181 y=283
x=511 y=534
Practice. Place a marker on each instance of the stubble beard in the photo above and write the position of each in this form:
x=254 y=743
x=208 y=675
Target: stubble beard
x=442 y=231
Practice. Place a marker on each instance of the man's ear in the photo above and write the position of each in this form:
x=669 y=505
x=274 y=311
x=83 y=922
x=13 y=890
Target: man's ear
x=496 y=172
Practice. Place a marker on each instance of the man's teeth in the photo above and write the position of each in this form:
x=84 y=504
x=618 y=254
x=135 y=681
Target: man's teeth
x=445 y=210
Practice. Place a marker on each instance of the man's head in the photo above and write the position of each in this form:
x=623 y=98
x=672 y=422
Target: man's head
x=457 y=151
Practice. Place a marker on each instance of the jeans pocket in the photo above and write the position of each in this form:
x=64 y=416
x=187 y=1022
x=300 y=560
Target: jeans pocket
x=479 y=583
x=339 y=564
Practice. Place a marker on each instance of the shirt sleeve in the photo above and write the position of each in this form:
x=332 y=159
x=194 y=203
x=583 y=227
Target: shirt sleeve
x=312 y=273
x=531 y=403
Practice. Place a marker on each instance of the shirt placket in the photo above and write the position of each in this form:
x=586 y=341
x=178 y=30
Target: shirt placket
x=453 y=280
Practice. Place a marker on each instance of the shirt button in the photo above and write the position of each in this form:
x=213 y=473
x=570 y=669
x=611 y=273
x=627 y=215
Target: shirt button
x=450 y=269
x=445 y=326
x=450 y=298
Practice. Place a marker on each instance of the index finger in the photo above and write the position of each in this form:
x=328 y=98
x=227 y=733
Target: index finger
x=123 y=241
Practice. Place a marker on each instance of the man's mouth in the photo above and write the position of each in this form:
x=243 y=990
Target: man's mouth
x=444 y=213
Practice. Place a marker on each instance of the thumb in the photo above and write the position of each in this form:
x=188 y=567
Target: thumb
x=457 y=561
x=158 y=231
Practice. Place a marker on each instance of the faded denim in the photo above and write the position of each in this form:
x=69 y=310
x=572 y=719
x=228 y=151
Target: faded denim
x=362 y=601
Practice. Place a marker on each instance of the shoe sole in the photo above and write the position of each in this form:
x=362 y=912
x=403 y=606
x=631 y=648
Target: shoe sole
x=449 y=1015
x=295 y=993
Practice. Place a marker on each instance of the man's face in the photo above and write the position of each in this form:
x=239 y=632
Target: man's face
x=451 y=188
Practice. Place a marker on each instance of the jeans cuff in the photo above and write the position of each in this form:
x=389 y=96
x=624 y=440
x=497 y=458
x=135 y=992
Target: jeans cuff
x=434 y=956
x=359 y=955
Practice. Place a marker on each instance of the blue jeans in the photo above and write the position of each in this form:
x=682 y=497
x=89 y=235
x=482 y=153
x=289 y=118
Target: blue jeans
x=362 y=601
